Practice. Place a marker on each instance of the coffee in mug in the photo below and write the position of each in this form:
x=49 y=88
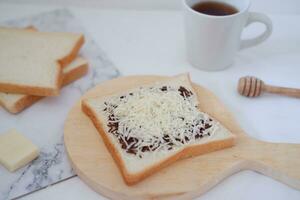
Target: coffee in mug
x=213 y=31
x=215 y=8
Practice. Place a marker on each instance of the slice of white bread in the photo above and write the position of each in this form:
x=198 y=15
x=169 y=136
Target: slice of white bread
x=31 y=62
x=164 y=117
x=15 y=103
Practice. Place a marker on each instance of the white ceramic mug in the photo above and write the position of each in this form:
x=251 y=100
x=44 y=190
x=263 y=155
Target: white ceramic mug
x=212 y=41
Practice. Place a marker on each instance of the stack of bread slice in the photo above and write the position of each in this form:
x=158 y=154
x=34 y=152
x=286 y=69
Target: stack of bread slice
x=36 y=64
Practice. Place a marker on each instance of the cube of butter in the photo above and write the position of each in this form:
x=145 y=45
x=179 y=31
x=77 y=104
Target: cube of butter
x=16 y=150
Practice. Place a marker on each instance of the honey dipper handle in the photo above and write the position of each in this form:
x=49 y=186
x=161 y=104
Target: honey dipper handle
x=292 y=92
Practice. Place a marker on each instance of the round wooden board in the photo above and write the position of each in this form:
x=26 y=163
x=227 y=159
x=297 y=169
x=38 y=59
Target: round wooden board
x=184 y=179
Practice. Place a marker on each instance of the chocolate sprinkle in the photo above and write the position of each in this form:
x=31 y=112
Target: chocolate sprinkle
x=184 y=92
x=164 y=88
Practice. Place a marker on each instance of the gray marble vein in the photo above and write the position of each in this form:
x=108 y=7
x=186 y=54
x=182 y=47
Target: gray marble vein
x=43 y=122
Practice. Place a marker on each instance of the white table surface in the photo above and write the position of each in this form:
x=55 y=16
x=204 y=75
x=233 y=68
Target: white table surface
x=152 y=42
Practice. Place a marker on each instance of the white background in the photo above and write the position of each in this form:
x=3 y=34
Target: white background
x=268 y=6
x=144 y=40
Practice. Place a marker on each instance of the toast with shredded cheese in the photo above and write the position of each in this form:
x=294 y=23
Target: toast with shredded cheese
x=152 y=126
x=15 y=103
x=31 y=62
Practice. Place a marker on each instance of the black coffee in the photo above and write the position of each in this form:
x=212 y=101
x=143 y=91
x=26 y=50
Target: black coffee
x=215 y=8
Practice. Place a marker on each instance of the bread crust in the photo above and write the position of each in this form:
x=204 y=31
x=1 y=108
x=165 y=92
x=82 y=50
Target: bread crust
x=46 y=91
x=131 y=179
x=28 y=100
x=75 y=74
x=69 y=57
x=23 y=103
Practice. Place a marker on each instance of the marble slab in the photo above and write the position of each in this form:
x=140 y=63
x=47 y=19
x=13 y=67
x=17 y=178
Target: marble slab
x=43 y=122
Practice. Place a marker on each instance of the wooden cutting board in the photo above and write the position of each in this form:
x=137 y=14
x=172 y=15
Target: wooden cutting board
x=184 y=179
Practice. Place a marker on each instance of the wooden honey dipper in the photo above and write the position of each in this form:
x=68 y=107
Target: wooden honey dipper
x=250 y=86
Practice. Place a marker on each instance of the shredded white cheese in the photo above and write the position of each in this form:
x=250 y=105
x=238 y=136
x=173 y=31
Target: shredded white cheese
x=158 y=119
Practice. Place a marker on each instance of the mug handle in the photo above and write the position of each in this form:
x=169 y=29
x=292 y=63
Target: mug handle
x=257 y=17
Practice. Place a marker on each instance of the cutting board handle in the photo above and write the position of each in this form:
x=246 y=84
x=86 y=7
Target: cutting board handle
x=281 y=161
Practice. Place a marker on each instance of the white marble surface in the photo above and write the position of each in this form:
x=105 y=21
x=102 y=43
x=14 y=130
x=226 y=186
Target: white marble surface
x=151 y=42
